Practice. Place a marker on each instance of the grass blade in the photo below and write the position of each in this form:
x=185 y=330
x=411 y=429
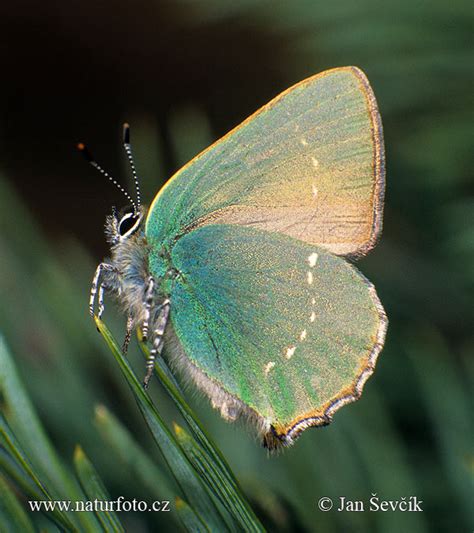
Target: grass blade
x=26 y=441
x=454 y=435
x=95 y=491
x=10 y=444
x=215 y=480
x=186 y=477
x=188 y=517
x=25 y=424
x=171 y=387
x=12 y=514
x=224 y=481
x=130 y=453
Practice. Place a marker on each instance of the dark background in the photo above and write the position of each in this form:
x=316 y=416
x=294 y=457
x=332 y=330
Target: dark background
x=183 y=73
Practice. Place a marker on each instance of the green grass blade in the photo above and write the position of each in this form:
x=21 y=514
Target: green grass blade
x=224 y=479
x=188 y=517
x=38 y=458
x=172 y=388
x=10 y=444
x=25 y=424
x=10 y=467
x=380 y=472
x=12 y=514
x=95 y=490
x=129 y=452
x=215 y=480
x=186 y=477
x=454 y=435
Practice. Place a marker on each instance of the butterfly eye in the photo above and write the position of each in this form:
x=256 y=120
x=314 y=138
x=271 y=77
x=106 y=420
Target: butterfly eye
x=128 y=224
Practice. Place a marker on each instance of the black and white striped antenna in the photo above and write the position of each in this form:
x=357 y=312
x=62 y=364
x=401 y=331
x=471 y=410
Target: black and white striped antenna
x=88 y=157
x=128 y=151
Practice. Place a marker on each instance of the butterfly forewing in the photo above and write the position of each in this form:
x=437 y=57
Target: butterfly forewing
x=309 y=165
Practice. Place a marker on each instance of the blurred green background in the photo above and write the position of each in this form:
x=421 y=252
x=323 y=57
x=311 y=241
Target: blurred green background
x=183 y=73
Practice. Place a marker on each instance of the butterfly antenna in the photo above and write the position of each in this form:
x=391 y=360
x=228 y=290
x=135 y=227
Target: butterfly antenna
x=88 y=157
x=128 y=151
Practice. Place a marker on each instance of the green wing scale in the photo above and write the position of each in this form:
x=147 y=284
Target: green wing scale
x=285 y=330
x=309 y=164
x=269 y=320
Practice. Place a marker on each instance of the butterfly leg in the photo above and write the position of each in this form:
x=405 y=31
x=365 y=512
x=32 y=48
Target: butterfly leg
x=149 y=293
x=128 y=334
x=98 y=286
x=157 y=339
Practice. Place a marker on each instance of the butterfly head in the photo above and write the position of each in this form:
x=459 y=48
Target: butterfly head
x=123 y=224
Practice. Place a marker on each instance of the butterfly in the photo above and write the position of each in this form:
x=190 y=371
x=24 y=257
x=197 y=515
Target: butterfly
x=240 y=271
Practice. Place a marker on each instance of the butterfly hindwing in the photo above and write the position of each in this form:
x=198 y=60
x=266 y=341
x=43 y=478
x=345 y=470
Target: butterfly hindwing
x=271 y=327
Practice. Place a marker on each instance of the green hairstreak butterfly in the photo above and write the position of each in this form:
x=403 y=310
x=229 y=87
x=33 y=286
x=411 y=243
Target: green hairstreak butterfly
x=239 y=267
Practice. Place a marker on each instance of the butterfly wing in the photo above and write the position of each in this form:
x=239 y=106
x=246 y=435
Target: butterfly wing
x=272 y=328
x=309 y=164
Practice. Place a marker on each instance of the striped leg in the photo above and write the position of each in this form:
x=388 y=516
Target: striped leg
x=158 y=332
x=98 y=287
x=128 y=334
x=149 y=294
